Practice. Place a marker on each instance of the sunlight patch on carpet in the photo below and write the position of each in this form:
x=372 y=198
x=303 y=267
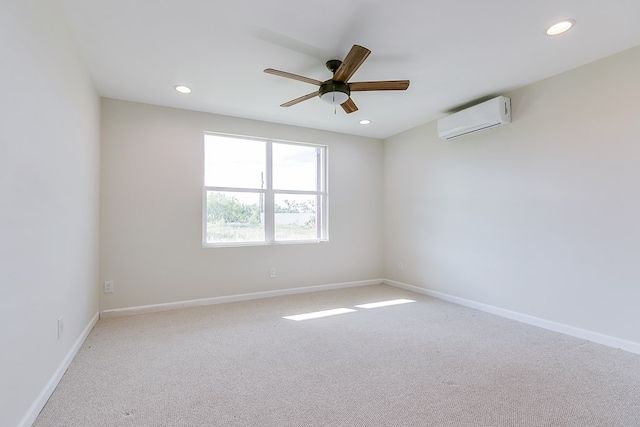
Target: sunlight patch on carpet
x=317 y=314
x=385 y=303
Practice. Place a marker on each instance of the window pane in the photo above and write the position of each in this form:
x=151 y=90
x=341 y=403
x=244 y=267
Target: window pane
x=295 y=217
x=234 y=162
x=296 y=167
x=234 y=217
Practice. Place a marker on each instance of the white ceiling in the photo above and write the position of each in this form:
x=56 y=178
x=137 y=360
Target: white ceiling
x=454 y=52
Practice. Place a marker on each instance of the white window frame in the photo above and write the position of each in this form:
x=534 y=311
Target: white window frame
x=322 y=219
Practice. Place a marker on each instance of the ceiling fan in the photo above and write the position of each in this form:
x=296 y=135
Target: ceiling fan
x=337 y=90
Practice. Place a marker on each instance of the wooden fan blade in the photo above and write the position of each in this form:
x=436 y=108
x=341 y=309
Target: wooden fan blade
x=293 y=76
x=382 y=85
x=351 y=63
x=349 y=106
x=300 y=99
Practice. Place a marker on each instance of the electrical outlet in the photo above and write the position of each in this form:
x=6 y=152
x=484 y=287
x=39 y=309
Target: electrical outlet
x=401 y=266
x=272 y=272
x=60 y=326
x=108 y=286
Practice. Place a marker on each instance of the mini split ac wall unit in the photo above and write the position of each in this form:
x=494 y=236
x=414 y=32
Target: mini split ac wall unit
x=483 y=116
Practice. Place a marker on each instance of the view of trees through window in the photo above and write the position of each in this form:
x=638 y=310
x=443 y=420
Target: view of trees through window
x=263 y=191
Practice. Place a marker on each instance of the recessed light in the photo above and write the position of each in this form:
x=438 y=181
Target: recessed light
x=365 y=121
x=182 y=89
x=560 y=27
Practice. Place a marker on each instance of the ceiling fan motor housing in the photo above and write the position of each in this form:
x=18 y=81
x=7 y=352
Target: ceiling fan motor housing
x=333 y=86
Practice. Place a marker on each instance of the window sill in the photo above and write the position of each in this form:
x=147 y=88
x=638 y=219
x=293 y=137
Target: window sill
x=255 y=244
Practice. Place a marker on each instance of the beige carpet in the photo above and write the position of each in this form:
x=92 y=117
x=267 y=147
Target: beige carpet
x=428 y=363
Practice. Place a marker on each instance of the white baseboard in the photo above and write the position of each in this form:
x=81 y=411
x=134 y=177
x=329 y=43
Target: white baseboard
x=231 y=298
x=46 y=393
x=630 y=346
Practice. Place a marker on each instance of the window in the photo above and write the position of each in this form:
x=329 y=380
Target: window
x=259 y=191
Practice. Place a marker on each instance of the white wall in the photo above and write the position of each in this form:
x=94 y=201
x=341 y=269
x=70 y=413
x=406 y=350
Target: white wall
x=540 y=217
x=151 y=211
x=49 y=181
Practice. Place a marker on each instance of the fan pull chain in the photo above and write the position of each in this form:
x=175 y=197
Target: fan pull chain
x=333 y=96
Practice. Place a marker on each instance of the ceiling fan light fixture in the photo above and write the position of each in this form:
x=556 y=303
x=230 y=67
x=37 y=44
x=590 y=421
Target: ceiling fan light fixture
x=334 y=92
x=334 y=98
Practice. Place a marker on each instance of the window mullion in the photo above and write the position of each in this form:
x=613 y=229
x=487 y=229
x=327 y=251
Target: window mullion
x=319 y=207
x=234 y=189
x=269 y=214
